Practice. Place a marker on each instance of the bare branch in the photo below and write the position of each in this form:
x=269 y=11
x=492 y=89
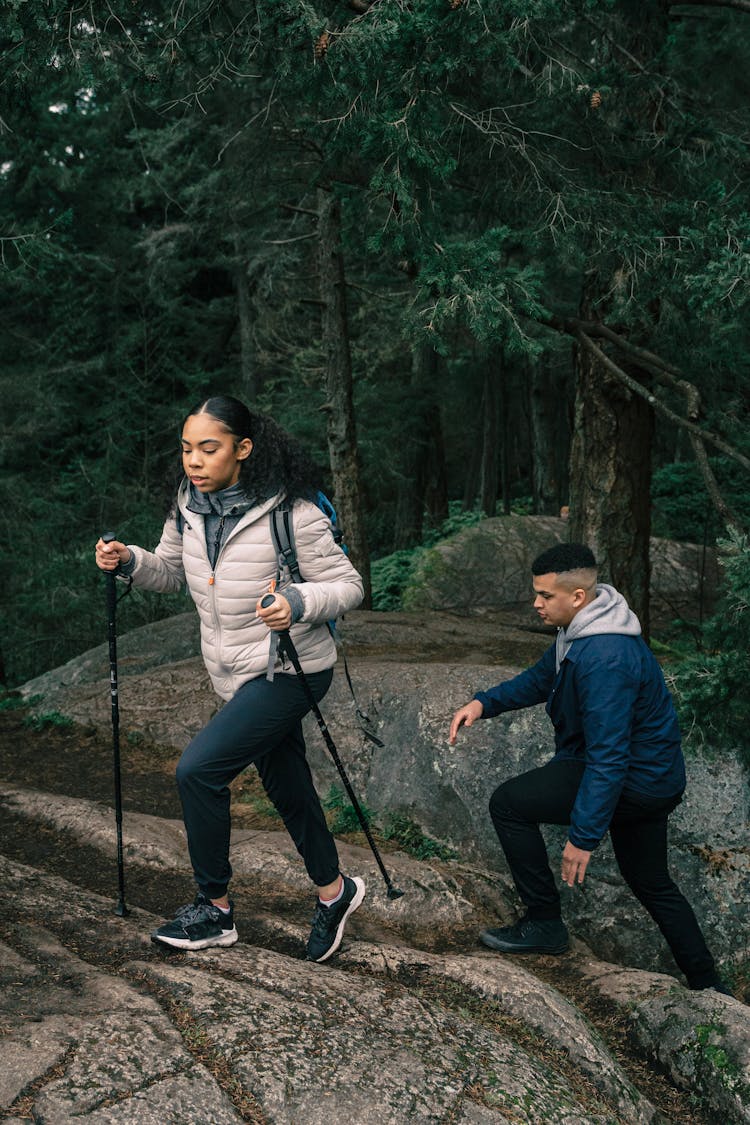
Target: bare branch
x=712 y=487
x=740 y=5
x=657 y=404
x=299 y=210
x=697 y=435
x=285 y=241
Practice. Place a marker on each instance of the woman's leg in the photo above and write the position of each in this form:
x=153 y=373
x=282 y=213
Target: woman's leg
x=287 y=780
x=259 y=718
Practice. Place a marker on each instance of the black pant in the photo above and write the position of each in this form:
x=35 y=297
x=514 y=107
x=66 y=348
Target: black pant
x=639 y=837
x=261 y=725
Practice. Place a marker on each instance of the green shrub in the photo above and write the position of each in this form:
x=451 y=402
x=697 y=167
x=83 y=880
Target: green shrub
x=46 y=720
x=344 y=817
x=413 y=840
x=390 y=576
x=712 y=686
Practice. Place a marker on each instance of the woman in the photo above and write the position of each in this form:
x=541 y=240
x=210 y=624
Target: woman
x=238 y=466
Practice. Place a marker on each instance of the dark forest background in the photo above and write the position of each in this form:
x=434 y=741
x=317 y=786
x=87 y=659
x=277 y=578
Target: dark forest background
x=481 y=257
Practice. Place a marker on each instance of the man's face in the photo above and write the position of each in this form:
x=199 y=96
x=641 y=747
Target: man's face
x=556 y=604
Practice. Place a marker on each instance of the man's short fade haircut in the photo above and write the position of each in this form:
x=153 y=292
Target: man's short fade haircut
x=562 y=558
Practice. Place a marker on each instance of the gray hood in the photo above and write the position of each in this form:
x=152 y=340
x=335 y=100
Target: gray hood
x=607 y=613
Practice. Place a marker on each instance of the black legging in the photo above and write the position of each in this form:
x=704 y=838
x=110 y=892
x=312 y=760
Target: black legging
x=639 y=837
x=260 y=725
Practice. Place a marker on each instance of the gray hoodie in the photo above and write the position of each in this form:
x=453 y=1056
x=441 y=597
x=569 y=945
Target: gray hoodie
x=607 y=613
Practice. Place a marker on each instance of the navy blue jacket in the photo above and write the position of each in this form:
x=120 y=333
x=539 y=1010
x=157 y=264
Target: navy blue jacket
x=610 y=708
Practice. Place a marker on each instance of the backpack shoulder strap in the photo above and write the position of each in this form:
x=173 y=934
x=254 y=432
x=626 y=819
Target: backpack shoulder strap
x=282 y=532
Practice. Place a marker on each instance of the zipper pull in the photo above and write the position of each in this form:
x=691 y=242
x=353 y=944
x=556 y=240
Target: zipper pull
x=211 y=580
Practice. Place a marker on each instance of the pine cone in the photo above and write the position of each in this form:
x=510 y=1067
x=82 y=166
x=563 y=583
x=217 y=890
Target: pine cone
x=321 y=45
x=596 y=100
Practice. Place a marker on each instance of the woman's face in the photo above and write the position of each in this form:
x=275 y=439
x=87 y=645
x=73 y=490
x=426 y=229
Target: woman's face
x=211 y=456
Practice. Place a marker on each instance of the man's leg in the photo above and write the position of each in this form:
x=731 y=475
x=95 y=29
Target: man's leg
x=541 y=796
x=639 y=837
x=518 y=807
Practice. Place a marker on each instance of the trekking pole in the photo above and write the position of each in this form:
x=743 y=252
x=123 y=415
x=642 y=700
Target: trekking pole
x=111 y=587
x=286 y=645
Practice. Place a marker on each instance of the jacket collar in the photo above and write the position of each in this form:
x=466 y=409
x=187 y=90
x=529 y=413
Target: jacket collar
x=232 y=501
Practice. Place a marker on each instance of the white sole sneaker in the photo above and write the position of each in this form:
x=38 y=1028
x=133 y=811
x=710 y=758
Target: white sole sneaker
x=356 y=901
x=226 y=937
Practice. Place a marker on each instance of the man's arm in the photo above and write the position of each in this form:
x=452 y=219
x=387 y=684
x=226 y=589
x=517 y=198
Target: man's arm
x=607 y=690
x=525 y=690
x=530 y=687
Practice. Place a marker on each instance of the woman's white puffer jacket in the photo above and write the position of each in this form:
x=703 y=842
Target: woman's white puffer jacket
x=234 y=641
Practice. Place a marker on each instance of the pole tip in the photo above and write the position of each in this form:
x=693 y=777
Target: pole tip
x=121 y=910
x=394 y=892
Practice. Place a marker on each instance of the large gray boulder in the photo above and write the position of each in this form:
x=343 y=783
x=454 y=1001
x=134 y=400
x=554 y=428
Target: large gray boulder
x=486 y=567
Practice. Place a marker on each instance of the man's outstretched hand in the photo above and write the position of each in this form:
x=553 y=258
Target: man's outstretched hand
x=574 y=863
x=465 y=716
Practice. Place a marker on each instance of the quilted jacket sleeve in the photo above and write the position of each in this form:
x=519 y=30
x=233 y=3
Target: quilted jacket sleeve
x=331 y=584
x=160 y=570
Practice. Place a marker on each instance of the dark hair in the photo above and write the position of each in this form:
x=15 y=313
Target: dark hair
x=564 y=557
x=278 y=463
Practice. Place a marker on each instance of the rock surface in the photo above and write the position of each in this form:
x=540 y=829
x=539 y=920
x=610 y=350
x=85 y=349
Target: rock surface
x=412 y=1020
x=101 y=1025
x=444 y=790
x=487 y=566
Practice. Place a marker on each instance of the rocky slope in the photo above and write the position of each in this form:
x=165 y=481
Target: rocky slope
x=412 y=1021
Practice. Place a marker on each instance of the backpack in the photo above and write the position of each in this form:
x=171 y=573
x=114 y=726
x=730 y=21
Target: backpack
x=282 y=534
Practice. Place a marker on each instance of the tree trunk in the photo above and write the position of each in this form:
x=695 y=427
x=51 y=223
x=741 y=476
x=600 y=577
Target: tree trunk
x=243 y=290
x=613 y=429
x=546 y=421
x=505 y=443
x=610 y=472
x=471 y=481
x=339 y=406
x=436 y=492
x=423 y=484
x=490 y=451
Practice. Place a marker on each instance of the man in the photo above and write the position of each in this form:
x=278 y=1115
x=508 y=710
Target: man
x=618 y=764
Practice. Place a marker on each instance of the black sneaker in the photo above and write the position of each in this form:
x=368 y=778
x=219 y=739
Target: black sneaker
x=529 y=936
x=197 y=926
x=328 y=921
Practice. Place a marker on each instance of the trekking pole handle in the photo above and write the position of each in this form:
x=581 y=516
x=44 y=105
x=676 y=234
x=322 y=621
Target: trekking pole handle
x=265 y=601
x=109 y=537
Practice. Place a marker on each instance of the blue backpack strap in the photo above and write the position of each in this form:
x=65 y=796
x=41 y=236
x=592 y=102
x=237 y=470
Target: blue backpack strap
x=328 y=509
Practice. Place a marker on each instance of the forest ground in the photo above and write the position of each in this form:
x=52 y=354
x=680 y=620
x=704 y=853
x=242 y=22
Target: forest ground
x=76 y=761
